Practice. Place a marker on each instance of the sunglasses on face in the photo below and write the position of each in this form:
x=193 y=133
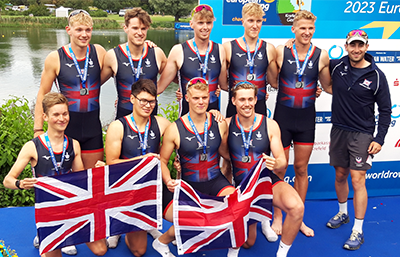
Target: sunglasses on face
x=144 y=102
x=196 y=80
x=76 y=12
x=201 y=7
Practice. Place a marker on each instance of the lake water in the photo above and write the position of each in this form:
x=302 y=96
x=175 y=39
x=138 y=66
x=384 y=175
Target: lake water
x=23 y=51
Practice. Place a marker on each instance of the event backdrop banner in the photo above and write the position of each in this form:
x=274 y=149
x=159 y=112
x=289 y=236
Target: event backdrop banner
x=335 y=18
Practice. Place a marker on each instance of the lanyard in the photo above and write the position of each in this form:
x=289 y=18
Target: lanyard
x=203 y=143
x=139 y=66
x=301 y=70
x=53 y=158
x=251 y=59
x=246 y=143
x=78 y=69
x=205 y=65
x=143 y=143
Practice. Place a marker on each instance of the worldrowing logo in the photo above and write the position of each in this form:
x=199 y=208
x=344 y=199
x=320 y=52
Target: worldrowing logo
x=335 y=52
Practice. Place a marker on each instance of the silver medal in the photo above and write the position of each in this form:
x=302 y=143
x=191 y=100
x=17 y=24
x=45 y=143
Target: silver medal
x=246 y=158
x=299 y=84
x=251 y=77
x=84 y=91
x=203 y=157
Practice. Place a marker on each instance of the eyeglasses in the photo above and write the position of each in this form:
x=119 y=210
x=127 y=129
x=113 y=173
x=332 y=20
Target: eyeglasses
x=144 y=102
x=243 y=83
x=357 y=31
x=201 y=7
x=196 y=80
x=76 y=12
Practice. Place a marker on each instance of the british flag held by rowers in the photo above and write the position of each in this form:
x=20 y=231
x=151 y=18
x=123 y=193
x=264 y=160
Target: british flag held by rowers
x=205 y=222
x=92 y=204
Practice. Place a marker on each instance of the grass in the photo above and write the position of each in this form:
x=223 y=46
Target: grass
x=154 y=18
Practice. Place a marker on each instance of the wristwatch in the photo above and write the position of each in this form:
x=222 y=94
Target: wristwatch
x=17 y=182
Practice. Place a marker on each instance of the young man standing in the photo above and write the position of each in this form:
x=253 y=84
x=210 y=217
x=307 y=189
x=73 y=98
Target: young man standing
x=300 y=69
x=251 y=59
x=133 y=60
x=357 y=84
x=197 y=57
x=251 y=137
x=64 y=153
x=197 y=138
x=75 y=69
x=131 y=137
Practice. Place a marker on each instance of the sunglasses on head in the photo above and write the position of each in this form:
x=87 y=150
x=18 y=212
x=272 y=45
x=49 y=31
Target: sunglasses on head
x=76 y=12
x=357 y=31
x=201 y=7
x=196 y=80
x=244 y=83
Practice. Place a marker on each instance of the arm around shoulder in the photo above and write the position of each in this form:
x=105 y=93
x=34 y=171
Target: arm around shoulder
x=174 y=63
x=324 y=74
x=77 y=164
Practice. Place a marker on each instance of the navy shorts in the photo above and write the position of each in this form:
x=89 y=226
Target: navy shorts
x=297 y=125
x=349 y=149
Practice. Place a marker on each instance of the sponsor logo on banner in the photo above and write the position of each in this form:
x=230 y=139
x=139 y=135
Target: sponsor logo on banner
x=397 y=144
x=321 y=146
x=335 y=52
x=276 y=12
x=396 y=83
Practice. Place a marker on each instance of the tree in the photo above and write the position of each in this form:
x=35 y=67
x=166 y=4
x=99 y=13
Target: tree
x=79 y=4
x=176 y=8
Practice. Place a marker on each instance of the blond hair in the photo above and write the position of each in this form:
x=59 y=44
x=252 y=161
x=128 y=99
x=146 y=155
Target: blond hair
x=52 y=98
x=198 y=86
x=82 y=19
x=244 y=85
x=304 y=14
x=139 y=13
x=252 y=9
x=204 y=14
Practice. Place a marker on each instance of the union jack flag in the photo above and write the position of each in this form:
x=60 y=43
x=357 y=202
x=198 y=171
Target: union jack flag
x=92 y=204
x=204 y=222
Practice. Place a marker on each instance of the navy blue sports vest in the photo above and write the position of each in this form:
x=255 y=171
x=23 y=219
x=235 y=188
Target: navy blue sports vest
x=83 y=110
x=259 y=144
x=125 y=78
x=44 y=166
x=288 y=94
x=239 y=68
x=191 y=67
x=130 y=142
x=193 y=169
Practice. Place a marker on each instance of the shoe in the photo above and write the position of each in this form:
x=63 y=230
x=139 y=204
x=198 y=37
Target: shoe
x=268 y=232
x=70 y=250
x=339 y=219
x=112 y=241
x=36 y=242
x=355 y=241
x=162 y=249
x=154 y=233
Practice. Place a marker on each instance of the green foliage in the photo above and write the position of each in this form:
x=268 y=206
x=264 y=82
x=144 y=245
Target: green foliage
x=37 y=10
x=176 y=8
x=171 y=113
x=98 y=13
x=16 y=128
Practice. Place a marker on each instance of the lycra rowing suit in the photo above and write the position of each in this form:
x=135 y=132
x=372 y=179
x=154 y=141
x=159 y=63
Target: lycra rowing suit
x=130 y=146
x=44 y=165
x=239 y=70
x=295 y=107
x=84 y=124
x=192 y=67
x=124 y=77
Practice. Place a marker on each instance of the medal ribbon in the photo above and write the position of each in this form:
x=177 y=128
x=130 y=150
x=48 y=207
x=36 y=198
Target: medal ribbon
x=143 y=143
x=205 y=65
x=53 y=158
x=251 y=59
x=78 y=69
x=139 y=66
x=246 y=143
x=300 y=71
x=203 y=143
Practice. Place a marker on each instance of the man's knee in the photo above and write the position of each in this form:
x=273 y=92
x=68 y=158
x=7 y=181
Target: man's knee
x=138 y=252
x=100 y=250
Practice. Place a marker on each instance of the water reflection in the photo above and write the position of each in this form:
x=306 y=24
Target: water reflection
x=23 y=51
